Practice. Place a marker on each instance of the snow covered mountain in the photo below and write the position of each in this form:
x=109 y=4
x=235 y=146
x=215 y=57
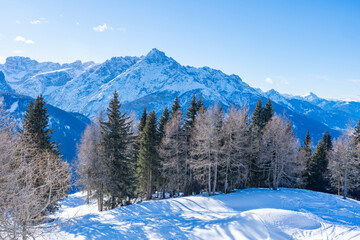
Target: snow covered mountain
x=68 y=127
x=244 y=214
x=153 y=81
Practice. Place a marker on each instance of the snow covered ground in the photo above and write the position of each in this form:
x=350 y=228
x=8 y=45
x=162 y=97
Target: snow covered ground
x=245 y=214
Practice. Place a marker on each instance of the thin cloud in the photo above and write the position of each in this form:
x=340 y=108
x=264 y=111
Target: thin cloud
x=34 y=22
x=102 y=28
x=77 y=23
x=269 y=80
x=18 y=51
x=24 y=40
x=17 y=21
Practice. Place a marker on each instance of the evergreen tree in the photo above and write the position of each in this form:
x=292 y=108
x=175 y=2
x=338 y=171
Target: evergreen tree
x=257 y=118
x=306 y=153
x=200 y=104
x=117 y=141
x=163 y=120
x=176 y=105
x=36 y=126
x=317 y=175
x=148 y=161
x=142 y=121
x=191 y=113
x=356 y=133
x=327 y=140
x=268 y=112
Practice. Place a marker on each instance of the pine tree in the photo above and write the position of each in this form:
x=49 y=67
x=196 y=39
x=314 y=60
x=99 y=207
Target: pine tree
x=36 y=126
x=176 y=105
x=200 y=104
x=148 y=161
x=268 y=112
x=257 y=118
x=163 y=120
x=191 y=113
x=117 y=141
x=327 y=140
x=306 y=153
x=142 y=121
x=317 y=175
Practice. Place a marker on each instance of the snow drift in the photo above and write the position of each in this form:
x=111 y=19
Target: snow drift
x=245 y=214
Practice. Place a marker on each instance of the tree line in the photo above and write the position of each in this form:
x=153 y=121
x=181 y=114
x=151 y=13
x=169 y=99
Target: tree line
x=207 y=149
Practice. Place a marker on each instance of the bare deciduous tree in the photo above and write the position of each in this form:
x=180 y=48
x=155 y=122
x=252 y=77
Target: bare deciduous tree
x=344 y=163
x=278 y=153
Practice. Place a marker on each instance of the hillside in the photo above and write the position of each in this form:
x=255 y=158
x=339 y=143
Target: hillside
x=245 y=214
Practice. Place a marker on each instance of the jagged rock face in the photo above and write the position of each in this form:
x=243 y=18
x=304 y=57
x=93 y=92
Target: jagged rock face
x=153 y=81
x=4 y=87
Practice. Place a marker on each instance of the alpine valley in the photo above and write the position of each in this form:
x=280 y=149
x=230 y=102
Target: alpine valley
x=77 y=91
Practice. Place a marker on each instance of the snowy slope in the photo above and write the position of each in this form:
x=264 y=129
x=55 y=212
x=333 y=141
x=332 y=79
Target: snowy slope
x=245 y=214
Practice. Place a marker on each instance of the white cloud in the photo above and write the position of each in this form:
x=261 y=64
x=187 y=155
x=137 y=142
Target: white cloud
x=2 y=59
x=269 y=80
x=102 y=28
x=24 y=40
x=35 y=22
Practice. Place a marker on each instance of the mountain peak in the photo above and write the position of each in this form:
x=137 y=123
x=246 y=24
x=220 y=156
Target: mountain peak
x=156 y=55
x=310 y=96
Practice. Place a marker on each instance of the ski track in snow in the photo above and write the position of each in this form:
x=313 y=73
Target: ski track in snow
x=245 y=214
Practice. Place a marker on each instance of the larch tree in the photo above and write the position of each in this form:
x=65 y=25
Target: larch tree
x=344 y=160
x=172 y=151
x=235 y=168
x=207 y=150
x=91 y=162
x=279 y=153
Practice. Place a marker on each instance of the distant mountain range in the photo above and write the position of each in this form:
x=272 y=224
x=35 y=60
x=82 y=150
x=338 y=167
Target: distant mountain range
x=154 y=81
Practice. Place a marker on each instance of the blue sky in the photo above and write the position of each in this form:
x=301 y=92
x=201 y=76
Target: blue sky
x=292 y=46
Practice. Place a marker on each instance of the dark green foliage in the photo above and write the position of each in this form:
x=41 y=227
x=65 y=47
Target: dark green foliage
x=142 y=121
x=306 y=153
x=268 y=112
x=117 y=141
x=148 y=165
x=176 y=106
x=317 y=173
x=327 y=140
x=200 y=104
x=191 y=114
x=257 y=118
x=163 y=120
x=36 y=127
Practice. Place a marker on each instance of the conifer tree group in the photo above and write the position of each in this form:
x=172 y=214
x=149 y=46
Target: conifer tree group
x=209 y=150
